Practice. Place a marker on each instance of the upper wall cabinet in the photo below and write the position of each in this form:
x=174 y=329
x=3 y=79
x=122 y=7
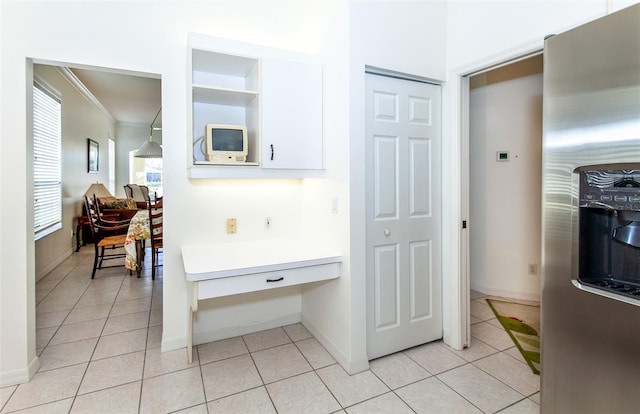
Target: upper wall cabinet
x=291 y=115
x=276 y=94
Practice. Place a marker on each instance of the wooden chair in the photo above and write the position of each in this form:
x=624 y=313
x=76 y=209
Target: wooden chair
x=139 y=194
x=155 y=230
x=105 y=234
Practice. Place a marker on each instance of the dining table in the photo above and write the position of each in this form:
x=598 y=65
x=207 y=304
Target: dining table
x=137 y=233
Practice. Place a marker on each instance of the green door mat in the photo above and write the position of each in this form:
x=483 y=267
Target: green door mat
x=522 y=323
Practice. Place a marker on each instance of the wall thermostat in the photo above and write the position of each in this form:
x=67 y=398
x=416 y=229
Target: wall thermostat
x=502 y=156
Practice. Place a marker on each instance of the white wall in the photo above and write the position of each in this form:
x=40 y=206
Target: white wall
x=505 y=114
x=80 y=120
x=195 y=210
x=477 y=30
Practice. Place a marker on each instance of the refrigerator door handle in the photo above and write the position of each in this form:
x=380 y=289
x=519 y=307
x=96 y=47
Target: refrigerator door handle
x=604 y=293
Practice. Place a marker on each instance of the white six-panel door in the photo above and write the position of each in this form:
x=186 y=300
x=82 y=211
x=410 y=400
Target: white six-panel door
x=403 y=195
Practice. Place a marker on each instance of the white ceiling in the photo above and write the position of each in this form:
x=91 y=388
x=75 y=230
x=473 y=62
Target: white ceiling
x=129 y=99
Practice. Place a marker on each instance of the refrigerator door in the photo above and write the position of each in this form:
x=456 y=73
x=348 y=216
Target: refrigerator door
x=591 y=115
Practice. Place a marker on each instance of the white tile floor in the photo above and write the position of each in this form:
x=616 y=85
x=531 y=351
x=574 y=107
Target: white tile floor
x=99 y=348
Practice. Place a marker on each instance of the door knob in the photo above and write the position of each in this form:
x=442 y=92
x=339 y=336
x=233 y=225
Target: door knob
x=387 y=232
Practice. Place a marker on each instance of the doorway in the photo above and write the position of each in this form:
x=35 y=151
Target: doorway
x=99 y=104
x=403 y=213
x=84 y=116
x=505 y=150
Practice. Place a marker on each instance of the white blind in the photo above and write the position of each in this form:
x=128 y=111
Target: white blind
x=47 y=142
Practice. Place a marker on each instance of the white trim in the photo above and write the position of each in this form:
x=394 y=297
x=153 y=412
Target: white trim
x=514 y=59
x=133 y=125
x=54 y=264
x=20 y=376
x=47 y=231
x=505 y=57
x=48 y=88
x=399 y=75
x=212 y=335
x=456 y=290
x=465 y=311
x=350 y=365
x=504 y=293
x=86 y=93
x=452 y=314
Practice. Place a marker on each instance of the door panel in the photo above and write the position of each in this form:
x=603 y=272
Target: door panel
x=402 y=157
x=420 y=285
x=386 y=177
x=386 y=280
x=420 y=195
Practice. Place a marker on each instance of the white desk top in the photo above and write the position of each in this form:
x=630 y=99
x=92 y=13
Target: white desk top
x=213 y=261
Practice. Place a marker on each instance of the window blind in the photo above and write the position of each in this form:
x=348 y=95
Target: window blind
x=47 y=143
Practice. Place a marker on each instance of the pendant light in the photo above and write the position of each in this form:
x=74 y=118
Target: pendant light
x=150 y=149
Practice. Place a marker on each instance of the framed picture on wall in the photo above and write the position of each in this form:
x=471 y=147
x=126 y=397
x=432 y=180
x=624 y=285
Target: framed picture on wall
x=93 y=156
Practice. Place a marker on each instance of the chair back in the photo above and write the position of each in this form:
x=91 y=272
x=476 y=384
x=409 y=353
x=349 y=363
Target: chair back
x=94 y=216
x=93 y=213
x=157 y=201
x=155 y=222
x=139 y=193
x=98 y=225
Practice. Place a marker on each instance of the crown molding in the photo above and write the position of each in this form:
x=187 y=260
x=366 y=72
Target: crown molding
x=86 y=93
x=132 y=125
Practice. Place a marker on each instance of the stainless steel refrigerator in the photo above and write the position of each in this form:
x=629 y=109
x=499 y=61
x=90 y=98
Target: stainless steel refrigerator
x=590 y=360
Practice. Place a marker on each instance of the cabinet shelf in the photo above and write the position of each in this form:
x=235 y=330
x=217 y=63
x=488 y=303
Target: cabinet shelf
x=200 y=170
x=222 y=63
x=223 y=96
x=227 y=164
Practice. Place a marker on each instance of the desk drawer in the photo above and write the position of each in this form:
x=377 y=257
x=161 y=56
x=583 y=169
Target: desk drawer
x=214 y=288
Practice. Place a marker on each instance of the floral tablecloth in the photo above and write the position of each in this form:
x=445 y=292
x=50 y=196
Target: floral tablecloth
x=138 y=230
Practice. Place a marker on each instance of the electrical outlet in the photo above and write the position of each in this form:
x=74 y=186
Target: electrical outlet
x=267 y=223
x=232 y=226
x=533 y=269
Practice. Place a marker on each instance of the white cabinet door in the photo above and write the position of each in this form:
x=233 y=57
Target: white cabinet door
x=291 y=115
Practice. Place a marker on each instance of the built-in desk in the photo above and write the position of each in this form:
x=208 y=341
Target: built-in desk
x=225 y=269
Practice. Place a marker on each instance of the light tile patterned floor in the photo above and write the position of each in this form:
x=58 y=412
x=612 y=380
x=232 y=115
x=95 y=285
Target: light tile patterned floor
x=99 y=348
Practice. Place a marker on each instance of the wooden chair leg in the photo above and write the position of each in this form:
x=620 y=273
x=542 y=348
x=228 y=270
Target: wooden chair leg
x=95 y=263
x=101 y=257
x=153 y=264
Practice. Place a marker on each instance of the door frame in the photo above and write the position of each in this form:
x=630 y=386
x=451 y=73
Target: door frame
x=456 y=297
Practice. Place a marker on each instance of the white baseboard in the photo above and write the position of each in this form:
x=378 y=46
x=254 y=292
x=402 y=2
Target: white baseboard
x=54 y=264
x=352 y=367
x=172 y=344
x=19 y=376
x=233 y=331
x=506 y=293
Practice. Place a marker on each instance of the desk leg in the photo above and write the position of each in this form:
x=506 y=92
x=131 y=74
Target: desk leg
x=190 y=337
x=192 y=309
x=139 y=251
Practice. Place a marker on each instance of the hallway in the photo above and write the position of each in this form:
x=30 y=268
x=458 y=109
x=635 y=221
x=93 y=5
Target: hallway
x=99 y=348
